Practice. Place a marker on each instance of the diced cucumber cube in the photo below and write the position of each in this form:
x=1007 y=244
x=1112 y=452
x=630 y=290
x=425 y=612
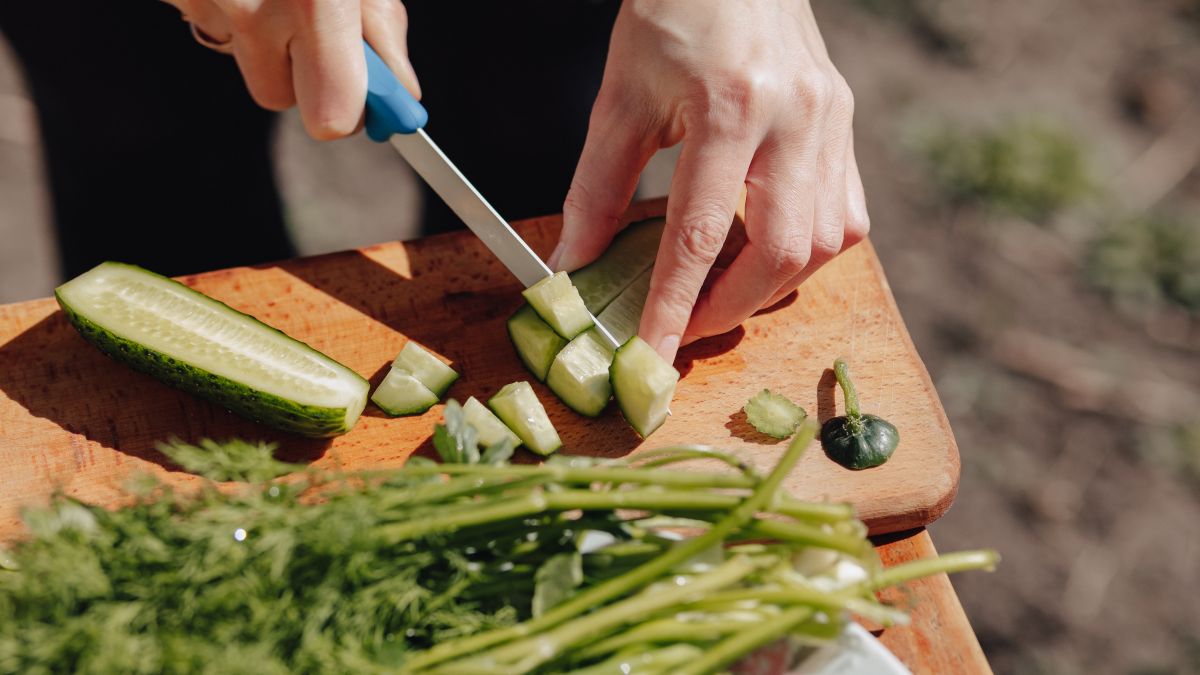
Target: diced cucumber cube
x=489 y=429
x=535 y=341
x=402 y=394
x=644 y=384
x=427 y=368
x=557 y=301
x=519 y=408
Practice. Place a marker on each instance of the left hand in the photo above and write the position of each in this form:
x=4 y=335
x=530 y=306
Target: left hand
x=750 y=90
x=308 y=54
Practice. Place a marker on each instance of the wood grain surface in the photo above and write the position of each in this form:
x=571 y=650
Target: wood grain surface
x=72 y=419
x=939 y=638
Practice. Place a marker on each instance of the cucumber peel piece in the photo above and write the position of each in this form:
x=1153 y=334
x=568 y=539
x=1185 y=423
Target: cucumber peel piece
x=535 y=341
x=644 y=384
x=773 y=414
x=558 y=303
x=488 y=427
x=427 y=368
x=519 y=408
x=401 y=393
x=204 y=347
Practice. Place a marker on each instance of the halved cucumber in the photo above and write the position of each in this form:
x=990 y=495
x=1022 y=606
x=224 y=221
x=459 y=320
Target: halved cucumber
x=427 y=368
x=579 y=374
x=558 y=303
x=630 y=253
x=623 y=314
x=401 y=393
x=489 y=429
x=190 y=341
x=535 y=341
x=519 y=408
x=644 y=384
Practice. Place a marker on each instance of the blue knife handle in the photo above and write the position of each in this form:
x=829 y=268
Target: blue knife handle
x=390 y=108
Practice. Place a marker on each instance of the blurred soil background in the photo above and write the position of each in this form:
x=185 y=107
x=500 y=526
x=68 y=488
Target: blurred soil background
x=1032 y=174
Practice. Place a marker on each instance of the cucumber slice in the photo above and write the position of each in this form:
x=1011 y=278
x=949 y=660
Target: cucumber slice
x=559 y=305
x=644 y=384
x=519 y=408
x=630 y=253
x=190 y=341
x=773 y=414
x=401 y=393
x=488 y=428
x=579 y=374
x=427 y=368
x=535 y=341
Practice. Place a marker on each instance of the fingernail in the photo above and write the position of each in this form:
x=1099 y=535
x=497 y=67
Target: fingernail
x=668 y=346
x=552 y=261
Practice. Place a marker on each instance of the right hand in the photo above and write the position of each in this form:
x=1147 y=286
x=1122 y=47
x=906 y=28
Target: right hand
x=309 y=53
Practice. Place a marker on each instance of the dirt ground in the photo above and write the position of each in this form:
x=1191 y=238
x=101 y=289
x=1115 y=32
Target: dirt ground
x=1076 y=415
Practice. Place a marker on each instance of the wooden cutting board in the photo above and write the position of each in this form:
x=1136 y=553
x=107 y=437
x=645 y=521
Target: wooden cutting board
x=71 y=419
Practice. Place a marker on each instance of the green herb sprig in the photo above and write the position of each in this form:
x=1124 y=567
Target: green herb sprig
x=453 y=568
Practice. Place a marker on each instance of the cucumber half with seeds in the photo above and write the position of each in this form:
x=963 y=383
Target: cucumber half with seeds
x=427 y=368
x=402 y=393
x=488 y=428
x=200 y=345
x=631 y=252
x=557 y=301
x=519 y=408
x=644 y=384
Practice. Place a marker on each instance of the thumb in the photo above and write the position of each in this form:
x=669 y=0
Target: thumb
x=385 y=27
x=614 y=154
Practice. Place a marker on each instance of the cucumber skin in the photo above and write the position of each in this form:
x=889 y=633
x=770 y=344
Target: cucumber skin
x=268 y=409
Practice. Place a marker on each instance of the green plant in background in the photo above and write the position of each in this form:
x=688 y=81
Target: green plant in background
x=1176 y=448
x=1030 y=169
x=1149 y=260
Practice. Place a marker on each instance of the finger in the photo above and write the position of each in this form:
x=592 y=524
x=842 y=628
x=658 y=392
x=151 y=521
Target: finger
x=780 y=197
x=858 y=220
x=329 y=70
x=385 y=26
x=617 y=148
x=260 y=46
x=855 y=222
x=707 y=184
x=206 y=16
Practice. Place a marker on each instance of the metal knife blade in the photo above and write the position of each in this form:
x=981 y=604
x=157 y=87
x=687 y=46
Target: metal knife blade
x=428 y=160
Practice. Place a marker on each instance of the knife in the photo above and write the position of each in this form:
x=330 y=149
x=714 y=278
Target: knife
x=394 y=116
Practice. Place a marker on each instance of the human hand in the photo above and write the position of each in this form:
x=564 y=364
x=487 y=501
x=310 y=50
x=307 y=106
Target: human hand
x=750 y=90
x=309 y=53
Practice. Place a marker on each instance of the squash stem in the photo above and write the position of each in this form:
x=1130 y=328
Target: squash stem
x=853 y=415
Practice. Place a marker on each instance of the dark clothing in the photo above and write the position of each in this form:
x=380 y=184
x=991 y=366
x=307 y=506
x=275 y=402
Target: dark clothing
x=156 y=154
